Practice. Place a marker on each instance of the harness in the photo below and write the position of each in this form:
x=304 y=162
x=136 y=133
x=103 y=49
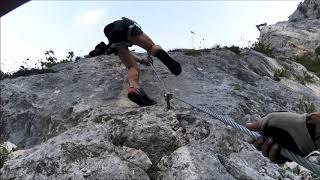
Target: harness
x=129 y=33
x=135 y=24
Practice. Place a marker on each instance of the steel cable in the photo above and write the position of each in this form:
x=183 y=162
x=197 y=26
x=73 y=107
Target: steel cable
x=228 y=121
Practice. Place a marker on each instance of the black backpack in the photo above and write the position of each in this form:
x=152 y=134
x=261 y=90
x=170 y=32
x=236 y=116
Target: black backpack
x=101 y=49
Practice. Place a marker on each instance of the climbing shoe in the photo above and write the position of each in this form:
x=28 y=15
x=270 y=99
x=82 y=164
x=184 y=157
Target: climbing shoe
x=172 y=65
x=138 y=96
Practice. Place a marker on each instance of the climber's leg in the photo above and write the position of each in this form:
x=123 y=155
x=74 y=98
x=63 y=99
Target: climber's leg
x=135 y=93
x=144 y=41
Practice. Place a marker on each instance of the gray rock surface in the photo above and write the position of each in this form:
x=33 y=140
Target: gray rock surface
x=78 y=124
x=298 y=36
x=308 y=9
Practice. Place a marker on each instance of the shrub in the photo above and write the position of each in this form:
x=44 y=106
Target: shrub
x=306 y=106
x=264 y=48
x=4 y=154
x=195 y=52
x=237 y=87
x=317 y=51
x=24 y=72
x=29 y=72
x=3 y=75
x=218 y=47
x=51 y=60
x=234 y=49
x=309 y=64
x=306 y=78
x=192 y=52
x=280 y=73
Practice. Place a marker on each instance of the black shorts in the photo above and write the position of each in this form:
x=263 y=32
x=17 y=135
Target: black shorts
x=118 y=31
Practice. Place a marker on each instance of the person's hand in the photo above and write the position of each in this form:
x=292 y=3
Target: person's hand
x=296 y=132
x=145 y=62
x=267 y=145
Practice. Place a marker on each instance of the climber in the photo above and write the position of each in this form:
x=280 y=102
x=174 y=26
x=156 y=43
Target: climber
x=100 y=49
x=125 y=33
x=299 y=133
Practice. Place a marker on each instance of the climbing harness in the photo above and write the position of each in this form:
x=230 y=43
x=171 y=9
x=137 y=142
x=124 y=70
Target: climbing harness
x=135 y=24
x=315 y=168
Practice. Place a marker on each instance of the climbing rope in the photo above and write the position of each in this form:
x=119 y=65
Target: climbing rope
x=228 y=121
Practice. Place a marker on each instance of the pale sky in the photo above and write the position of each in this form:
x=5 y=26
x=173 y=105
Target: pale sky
x=77 y=26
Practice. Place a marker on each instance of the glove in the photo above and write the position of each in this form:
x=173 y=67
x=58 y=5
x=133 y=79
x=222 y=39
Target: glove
x=289 y=130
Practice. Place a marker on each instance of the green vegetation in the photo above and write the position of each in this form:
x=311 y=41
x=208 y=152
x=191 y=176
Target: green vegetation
x=198 y=52
x=218 y=47
x=195 y=52
x=24 y=72
x=4 y=154
x=306 y=78
x=306 y=106
x=237 y=87
x=317 y=51
x=234 y=49
x=50 y=60
x=280 y=73
x=264 y=48
x=308 y=63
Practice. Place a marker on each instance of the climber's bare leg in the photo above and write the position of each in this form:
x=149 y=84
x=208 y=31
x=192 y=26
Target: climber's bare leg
x=130 y=62
x=145 y=42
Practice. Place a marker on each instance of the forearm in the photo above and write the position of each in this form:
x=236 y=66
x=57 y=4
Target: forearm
x=137 y=58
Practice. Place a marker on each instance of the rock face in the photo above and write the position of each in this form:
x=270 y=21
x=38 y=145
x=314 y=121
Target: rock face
x=309 y=9
x=298 y=36
x=78 y=124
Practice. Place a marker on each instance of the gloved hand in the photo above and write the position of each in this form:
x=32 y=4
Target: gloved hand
x=290 y=130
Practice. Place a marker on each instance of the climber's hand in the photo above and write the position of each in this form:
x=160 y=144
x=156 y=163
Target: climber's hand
x=145 y=62
x=292 y=131
x=267 y=145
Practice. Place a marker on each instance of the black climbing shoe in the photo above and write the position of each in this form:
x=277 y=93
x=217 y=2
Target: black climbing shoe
x=173 y=66
x=138 y=96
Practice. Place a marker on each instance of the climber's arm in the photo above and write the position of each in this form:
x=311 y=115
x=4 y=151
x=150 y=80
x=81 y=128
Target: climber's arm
x=140 y=60
x=308 y=139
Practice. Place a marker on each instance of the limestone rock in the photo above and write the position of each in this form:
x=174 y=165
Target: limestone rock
x=82 y=126
x=309 y=9
x=77 y=123
x=298 y=36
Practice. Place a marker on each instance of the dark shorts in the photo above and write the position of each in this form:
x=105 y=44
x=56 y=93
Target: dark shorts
x=117 y=32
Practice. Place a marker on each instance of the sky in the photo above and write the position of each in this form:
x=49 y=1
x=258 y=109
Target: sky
x=63 y=26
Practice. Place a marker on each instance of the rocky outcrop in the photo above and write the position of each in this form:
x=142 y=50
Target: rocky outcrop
x=309 y=9
x=78 y=124
x=297 y=37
